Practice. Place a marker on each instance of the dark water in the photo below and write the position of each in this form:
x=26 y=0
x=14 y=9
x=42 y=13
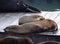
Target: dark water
x=45 y=5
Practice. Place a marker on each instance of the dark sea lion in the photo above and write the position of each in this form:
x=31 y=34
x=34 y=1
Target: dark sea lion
x=33 y=27
x=15 y=40
x=50 y=42
x=16 y=6
x=31 y=18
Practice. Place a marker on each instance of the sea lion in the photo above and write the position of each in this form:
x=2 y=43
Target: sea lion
x=33 y=27
x=23 y=29
x=50 y=42
x=15 y=40
x=16 y=6
x=30 y=18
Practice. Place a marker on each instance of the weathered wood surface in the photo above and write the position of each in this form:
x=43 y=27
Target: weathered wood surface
x=7 y=19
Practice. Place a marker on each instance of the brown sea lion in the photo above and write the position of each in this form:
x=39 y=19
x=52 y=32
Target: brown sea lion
x=50 y=42
x=23 y=29
x=31 y=18
x=15 y=40
x=33 y=27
